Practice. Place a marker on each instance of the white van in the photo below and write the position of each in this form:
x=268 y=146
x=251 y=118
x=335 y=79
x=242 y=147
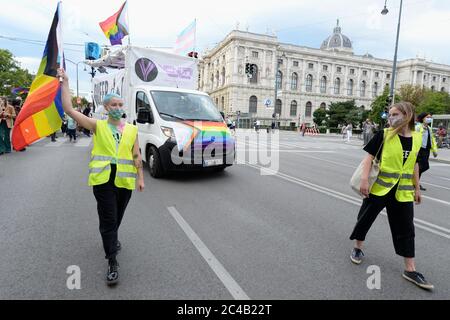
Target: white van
x=179 y=128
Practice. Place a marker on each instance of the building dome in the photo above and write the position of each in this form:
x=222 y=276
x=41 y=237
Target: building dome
x=337 y=41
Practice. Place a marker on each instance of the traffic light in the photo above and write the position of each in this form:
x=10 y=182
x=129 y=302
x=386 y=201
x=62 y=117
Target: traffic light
x=193 y=54
x=248 y=67
x=388 y=101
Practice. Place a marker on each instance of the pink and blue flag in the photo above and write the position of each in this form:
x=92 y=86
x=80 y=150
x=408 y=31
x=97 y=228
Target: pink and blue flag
x=186 y=39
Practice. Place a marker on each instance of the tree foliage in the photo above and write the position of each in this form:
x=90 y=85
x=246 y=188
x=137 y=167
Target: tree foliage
x=11 y=74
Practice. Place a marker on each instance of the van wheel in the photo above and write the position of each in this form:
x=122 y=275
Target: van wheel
x=154 y=163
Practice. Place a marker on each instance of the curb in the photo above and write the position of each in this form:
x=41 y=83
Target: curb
x=440 y=160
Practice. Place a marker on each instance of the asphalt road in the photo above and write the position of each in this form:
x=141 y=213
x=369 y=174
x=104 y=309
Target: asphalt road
x=231 y=235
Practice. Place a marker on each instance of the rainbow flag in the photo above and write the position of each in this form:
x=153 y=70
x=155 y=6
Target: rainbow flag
x=42 y=111
x=115 y=27
x=20 y=90
x=186 y=39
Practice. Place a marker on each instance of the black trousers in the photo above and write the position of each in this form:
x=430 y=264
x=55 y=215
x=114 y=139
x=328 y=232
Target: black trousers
x=111 y=204
x=423 y=160
x=401 y=221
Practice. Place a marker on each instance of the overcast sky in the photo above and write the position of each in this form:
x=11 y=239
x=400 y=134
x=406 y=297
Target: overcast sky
x=425 y=27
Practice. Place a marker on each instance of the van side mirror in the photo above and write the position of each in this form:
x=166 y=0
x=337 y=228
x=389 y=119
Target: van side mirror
x=144 y=116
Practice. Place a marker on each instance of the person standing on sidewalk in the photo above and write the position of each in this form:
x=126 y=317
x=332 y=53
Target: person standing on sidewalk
x=396 y=188
x=349 y=129
x=7 y=116
x=428 y=143
x=115 y=163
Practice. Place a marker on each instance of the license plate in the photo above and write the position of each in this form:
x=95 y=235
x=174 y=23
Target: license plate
x=212 y=162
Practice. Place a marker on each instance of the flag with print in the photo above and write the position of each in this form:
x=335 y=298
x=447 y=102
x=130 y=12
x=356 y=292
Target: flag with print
x=186 y=39
x=115 y=27
x=42 y=112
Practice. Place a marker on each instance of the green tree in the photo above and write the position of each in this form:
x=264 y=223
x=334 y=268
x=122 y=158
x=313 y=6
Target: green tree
x=319 y=116
x=413 y=94
x=84 y=102
x=11 y=74
x=379 y=105
x=434 y=103
x=343 y=112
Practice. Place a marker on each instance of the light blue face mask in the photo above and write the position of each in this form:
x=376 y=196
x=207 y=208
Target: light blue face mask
x=428 y=120
x=116 y=114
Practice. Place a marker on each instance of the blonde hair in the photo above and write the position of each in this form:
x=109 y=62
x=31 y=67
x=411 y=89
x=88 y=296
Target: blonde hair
x=408 y=111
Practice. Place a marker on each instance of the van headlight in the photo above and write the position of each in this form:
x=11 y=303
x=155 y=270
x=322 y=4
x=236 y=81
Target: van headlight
x=168 y=132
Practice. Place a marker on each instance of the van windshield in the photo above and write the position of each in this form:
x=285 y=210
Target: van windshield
x=188 y=106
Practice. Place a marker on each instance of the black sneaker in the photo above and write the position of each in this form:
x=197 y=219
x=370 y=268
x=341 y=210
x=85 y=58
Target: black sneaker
x=356 y=256
x=418 y=279
x=112 y=276
x=422 y=188
x=119 y=245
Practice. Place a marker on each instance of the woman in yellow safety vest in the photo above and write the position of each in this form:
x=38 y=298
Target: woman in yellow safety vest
x=396 y=188
x=115 y=164
x=424 y=121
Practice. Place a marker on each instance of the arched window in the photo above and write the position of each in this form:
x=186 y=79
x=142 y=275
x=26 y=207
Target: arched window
x=279 y=80
x=254 y=74
x=294 y=81
x=375 y=90
x=217 y=78
x=323 y=85
x=442 y=89
x=253 y=102
x=432 y=88
x=363 y=88
x=323 y=105
x=293 y=111
x=223 y=103
x=350 y=87
x=337 y=86
x=308 y=109
x=223 y=76
x=309 y=80
x=278 y=106
x=212 y=81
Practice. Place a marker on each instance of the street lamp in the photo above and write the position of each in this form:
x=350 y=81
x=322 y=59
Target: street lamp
x=394 y=66
x=76 y=64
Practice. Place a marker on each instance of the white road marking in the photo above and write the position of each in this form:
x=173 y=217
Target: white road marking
x=437 y=200
x=228 y=281
x=350 y=199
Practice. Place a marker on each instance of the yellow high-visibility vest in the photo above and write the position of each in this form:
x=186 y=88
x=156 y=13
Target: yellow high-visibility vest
x=419 y=128
x=105 y=151
x=392 y=169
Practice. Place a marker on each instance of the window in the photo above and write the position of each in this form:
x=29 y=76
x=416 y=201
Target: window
x=388 y=76
x=323 y=85
x=294 y=81
x=212 y=81
x=223 y=103
x=217 y=78
x=253 y=102
x=442 y=89
x=295 y=63
x=352 y=71
x=377 y=74
x=293 y=111
x=365 y=73
x=254 y=74
x=142 y=102
x=339 y=69
x=308 y=109
x=278 y=106
x=350 y=87
x=223 y=76
x=280 y=62
x=443 y=79
x=434 y=78
x=363 y=88
x=325 y=68
x=279 y=80
x=309 y=80
x=432 y=88
x=375 y=90
x=337 y=86
x=255 y=54
x=323 y=105
x=310 y=65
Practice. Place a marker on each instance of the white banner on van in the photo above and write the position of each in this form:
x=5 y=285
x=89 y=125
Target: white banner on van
x=108 y=83
x=159 y=68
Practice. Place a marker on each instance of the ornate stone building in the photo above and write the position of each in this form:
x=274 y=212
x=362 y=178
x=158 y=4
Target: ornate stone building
x=307 y=78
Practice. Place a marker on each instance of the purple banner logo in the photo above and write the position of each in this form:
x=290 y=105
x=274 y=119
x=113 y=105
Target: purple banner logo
x=146 y=70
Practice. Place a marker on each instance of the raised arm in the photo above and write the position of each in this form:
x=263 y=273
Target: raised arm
x=82 y=120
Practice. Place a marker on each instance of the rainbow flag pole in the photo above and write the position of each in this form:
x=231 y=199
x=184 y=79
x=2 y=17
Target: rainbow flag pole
x=42 y=111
